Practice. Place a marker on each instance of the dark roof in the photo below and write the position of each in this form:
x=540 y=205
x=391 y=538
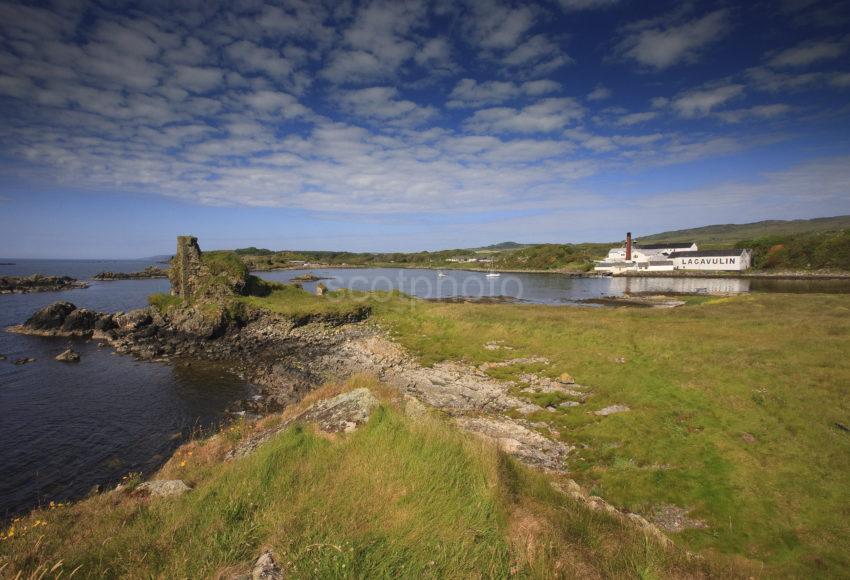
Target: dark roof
x=673 y=246
x=706 y=253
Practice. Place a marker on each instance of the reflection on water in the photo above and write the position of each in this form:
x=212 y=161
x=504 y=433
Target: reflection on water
x=680 y=285
x=541 y=288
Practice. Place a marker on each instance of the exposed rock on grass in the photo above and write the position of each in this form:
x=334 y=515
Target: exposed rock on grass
x=537 y=384
x=265 y=568
x=526 y=445
x=671 y=518
x=611 y=410
x=344 y=412
x=162 y=488
x=531 y=360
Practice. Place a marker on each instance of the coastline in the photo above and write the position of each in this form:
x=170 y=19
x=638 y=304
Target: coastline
x=782 y=275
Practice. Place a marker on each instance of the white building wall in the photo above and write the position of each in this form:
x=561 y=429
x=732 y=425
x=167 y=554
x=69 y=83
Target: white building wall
x=735 y=263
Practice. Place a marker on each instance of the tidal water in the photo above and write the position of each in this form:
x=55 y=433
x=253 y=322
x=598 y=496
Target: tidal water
x=539 y=288
x=67 y=427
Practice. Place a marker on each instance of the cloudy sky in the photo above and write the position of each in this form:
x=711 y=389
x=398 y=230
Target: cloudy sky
x=407 y=125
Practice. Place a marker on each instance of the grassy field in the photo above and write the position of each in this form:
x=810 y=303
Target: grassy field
x=296 y=303
x=734 y=409
x=397 y=498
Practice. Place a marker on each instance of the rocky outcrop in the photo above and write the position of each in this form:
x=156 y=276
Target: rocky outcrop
x=65 y=319
x=162 y=488
x=342 y=413
x=518 y=440
x=68 y=355
x=38 y=283
x=149 y=272
x=265 y=568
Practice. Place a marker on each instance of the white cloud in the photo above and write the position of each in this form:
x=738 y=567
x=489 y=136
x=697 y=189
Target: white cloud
x=659 y=102
x=840 y=79
x=600 y=93
x=497 y=25
x=635 y=118
x=542 y=117
x=471 y=93
x=383 y=104
x=703 y=101
x=276 y=102
x=198 y=79
x=661 y=45
x=575 y=5
x=377 y=43
x=755 y=112
x=252 y=58
x=436 y=55
x=537 y=56
x=808 y=53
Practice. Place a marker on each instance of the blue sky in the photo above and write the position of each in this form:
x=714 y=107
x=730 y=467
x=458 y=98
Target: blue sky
x=413 y=125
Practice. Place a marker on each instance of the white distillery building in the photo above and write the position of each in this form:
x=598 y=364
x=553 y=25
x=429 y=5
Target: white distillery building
x=671 y=256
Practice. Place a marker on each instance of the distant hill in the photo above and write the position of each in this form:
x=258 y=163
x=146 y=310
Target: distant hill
x=730 y=234
x=503 y=246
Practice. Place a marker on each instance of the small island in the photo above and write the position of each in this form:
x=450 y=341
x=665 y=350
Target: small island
x=149 y=272
x=38 y=283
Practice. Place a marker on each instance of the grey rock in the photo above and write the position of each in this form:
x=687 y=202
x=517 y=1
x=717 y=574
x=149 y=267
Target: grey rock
x=162 y=488
x=515 y=439
x=344 y=412
x=265 y=568
x=134 y=320
x=68 y=355
x=80 y=320
x=51 y=317
x=612 y=410
x=23 y=360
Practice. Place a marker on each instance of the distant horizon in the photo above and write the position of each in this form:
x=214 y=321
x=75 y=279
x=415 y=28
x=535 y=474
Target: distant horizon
x=467 y=247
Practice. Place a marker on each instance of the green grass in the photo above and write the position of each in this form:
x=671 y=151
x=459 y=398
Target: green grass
x=396 y=498
x=697 y=378
x=296 y=303
x=163 y=302
x=225 y=263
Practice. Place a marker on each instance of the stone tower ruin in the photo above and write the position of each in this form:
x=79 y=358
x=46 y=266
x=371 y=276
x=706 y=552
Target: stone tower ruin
x=186 y=267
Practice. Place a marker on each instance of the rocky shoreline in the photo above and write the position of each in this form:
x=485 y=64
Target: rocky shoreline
x=38 y=283
x=284 y=360
x=149 y=272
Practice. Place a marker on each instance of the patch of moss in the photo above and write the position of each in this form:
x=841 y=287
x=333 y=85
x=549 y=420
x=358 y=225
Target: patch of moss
x=164 y=302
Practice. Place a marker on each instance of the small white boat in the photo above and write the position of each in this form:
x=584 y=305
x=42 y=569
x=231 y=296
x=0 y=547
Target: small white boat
x=441 y=275
x=492 y=275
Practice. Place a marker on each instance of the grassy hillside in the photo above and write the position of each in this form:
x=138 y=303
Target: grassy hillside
x=509 y=255
x=812 y=251
x=726 y=235
x=734 y=405
x=397 y=498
